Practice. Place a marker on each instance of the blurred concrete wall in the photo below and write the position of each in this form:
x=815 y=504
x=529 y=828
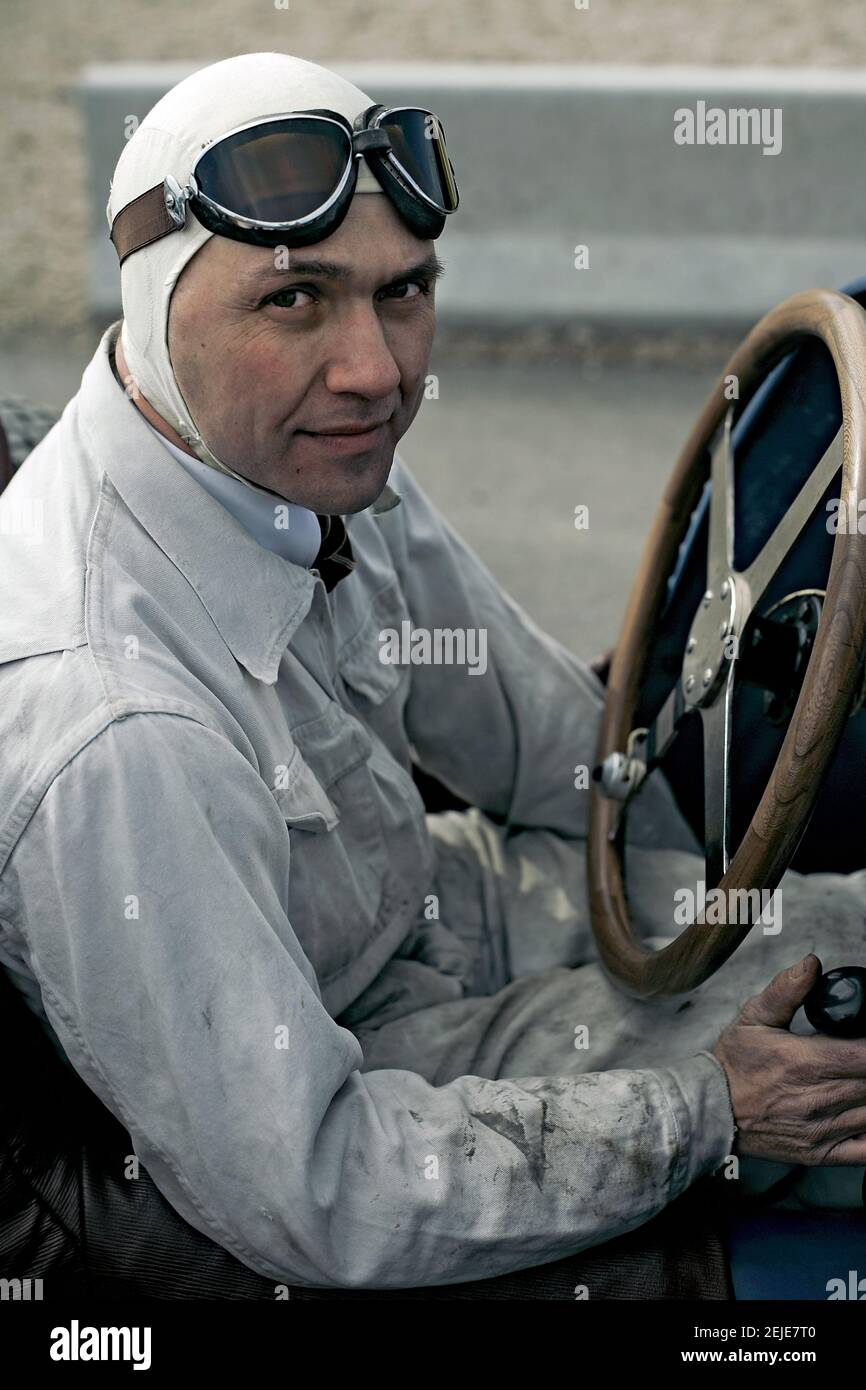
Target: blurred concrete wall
x=44 y=281
x=579 y=204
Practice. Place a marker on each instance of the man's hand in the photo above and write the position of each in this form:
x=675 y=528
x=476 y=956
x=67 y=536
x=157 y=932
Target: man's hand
x=795 y=1100
x=601 y=665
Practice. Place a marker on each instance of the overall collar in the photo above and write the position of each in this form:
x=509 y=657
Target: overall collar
x=292 y=532
x=256 y=599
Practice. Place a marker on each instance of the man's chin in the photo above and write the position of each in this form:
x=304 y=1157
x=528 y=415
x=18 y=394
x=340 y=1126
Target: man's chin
x=355 y=494
x=359 y=506
x=336 y=489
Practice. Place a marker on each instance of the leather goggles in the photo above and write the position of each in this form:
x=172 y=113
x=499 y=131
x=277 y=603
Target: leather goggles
x=289 y=180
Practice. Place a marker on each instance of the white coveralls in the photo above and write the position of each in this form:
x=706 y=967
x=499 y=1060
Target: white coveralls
x=217 y=879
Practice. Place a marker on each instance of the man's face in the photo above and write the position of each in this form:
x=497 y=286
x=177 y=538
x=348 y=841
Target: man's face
x=276 y=365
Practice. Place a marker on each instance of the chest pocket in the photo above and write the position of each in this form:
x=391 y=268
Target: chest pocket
x=302 y=799
x=329 y=799
x=359 y=660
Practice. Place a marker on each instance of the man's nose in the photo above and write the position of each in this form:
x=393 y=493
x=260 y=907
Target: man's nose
x=362 y=362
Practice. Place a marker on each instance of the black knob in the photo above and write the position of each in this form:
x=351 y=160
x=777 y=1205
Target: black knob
x=836 y=1004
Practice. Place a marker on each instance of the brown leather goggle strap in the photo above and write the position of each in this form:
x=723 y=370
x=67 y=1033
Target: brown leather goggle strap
x=142 y=221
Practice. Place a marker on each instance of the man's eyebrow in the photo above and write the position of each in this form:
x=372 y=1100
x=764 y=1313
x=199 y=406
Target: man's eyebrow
x=430 y=268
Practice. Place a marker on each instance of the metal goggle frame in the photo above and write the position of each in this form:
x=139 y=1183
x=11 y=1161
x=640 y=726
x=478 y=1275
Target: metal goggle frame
x=303 y=163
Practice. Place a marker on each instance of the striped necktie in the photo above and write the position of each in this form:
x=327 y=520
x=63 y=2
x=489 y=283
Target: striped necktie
x=334 y=559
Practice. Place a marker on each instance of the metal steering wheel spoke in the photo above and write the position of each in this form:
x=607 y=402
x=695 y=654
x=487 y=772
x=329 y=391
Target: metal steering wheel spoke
x=716 y=720
x=662 y=733
x=623 y=776
x=666 y=726
x=772 y=554
x=720 y=545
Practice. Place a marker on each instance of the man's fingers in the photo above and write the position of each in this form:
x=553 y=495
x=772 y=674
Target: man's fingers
x=600 y=665
x=776 y=1005
x=851 y=1153
x=828 y=1102
x=847 y=1124
x=836 y=1059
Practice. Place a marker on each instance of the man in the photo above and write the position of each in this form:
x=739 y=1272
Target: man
x=347 y=1038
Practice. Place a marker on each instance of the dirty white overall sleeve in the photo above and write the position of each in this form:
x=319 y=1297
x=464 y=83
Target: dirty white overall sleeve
x=176 y=985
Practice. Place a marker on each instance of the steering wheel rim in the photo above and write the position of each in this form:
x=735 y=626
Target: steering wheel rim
x=831 y=679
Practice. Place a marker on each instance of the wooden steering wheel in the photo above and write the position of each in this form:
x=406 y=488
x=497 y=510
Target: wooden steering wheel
x=705 y=685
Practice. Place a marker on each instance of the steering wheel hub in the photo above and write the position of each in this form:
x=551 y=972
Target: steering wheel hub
x=712 y=643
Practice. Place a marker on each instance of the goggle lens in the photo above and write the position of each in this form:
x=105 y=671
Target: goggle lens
x=279 y=173
x=418 y=145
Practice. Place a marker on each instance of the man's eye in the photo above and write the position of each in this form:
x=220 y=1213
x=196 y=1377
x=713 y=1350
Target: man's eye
x=295 y=298
x=407 y=289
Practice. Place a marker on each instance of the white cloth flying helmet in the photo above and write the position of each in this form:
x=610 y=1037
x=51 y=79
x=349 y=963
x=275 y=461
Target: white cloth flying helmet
x=262 y=148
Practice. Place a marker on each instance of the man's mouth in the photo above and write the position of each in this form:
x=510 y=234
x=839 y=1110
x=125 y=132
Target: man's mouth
x=348 y=438
x=365 y=427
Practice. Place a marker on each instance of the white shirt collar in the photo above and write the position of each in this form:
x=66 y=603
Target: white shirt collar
x=290 y=531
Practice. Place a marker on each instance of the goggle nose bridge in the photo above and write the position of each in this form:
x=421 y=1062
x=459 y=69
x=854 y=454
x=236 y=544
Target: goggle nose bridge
x=363 y=141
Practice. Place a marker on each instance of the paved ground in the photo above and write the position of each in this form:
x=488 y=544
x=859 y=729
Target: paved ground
x=507 y=452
